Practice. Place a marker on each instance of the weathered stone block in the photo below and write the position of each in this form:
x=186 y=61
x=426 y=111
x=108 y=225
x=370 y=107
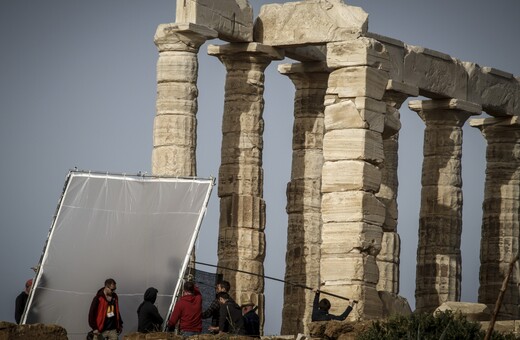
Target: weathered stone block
x=308 y=133
x=396 y=51
x=242 y=148
x=308 y=22
x=350 y=175
x=441 y=171
x=247 y=243
x=173 y=161
x=388 y=277
x=232 y=19
x=349 y=268
x=435 y=72
x=179 y=130
x=361 y=51
x=352 y=206
x=240 y=281
x=238 y=120
x=304 y=228
x=444 y=201
x=353 y=144
x=497 y=92
x=242 y=211
x=307 y=164
x=346 y=238
x=472 y=311
x=390 y=248
x=359 y=81
x=394 y=304
x=243 y=179
x=361 y=113
x=176 y=98
x=303 y=195
x=177 y=66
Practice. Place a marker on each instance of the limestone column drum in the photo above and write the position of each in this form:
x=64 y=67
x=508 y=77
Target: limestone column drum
x=175 y=124
x=438 y=276
x=241 y=242
x=501 y=208
x=353 y=153
x=302 y=259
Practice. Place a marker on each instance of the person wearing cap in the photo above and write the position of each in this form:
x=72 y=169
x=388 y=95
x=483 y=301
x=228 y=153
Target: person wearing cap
x=21 y=301
x=320 y=310
x=251 y=319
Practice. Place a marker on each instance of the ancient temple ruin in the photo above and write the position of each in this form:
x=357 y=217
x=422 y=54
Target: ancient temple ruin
x=341 y=199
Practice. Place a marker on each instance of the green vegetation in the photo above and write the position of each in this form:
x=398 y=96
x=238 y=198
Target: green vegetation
x=442 y=326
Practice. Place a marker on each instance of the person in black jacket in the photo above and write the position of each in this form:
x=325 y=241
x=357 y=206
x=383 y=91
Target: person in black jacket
x=214 y=308
x=251 y=319
x=148 y=317
x=21 y=301
x=320 y=310
x=230 y=316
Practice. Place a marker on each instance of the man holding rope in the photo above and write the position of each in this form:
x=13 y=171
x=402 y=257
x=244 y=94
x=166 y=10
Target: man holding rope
x=320 y=310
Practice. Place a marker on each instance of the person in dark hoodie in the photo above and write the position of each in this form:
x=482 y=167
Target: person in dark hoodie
x=320 y=310
x=103 y=316
x=188 y=311
x=148 y=317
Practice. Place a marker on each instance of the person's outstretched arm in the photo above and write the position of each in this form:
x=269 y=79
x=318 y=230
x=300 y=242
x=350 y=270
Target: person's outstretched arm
x=345 y=313
x=315 y=309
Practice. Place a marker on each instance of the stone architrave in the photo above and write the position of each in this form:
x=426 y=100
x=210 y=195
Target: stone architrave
x=309 y=22
x=232 y=19
x=174 y=132
x=388 y=258
x=302 y=265
x=240 y=186
x=353 y=151
x=501 y=209
x=438 y=275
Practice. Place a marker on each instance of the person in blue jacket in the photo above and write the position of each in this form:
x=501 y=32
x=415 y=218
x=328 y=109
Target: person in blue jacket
x=320 y=310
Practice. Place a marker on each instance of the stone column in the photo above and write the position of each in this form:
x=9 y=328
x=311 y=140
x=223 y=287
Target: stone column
x=175 y=124
x=501 y=209
x=240 y=186
x=388 y=258
x=440 y=222
x=353 y=153
x=302 y=259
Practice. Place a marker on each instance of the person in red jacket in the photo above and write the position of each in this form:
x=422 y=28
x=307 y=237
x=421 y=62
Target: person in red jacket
x=188 y=311
x=103 y=316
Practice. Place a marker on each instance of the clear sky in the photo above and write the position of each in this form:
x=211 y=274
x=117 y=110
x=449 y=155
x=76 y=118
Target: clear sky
x=77 y=88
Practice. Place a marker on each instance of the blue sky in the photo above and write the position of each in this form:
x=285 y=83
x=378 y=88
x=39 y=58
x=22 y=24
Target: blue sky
x=77 y=88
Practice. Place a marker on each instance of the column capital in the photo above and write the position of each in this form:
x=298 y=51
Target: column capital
x=307 y=67
x=308 y=74
x=505 y=122
x=450 y=111
x=266 y=51
x=182 y=36
x=445 y=104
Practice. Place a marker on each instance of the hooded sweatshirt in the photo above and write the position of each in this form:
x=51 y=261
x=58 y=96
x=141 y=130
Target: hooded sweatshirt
x=148 y=317
x=188 y=312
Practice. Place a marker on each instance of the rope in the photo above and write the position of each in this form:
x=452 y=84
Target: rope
x=274 y=279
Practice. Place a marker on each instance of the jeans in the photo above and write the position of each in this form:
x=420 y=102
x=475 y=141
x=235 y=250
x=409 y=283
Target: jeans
x=189 y=333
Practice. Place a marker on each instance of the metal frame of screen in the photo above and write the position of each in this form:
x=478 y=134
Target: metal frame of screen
x=140 y=230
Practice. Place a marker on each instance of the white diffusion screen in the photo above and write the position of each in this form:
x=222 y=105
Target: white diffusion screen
x=136 y=230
